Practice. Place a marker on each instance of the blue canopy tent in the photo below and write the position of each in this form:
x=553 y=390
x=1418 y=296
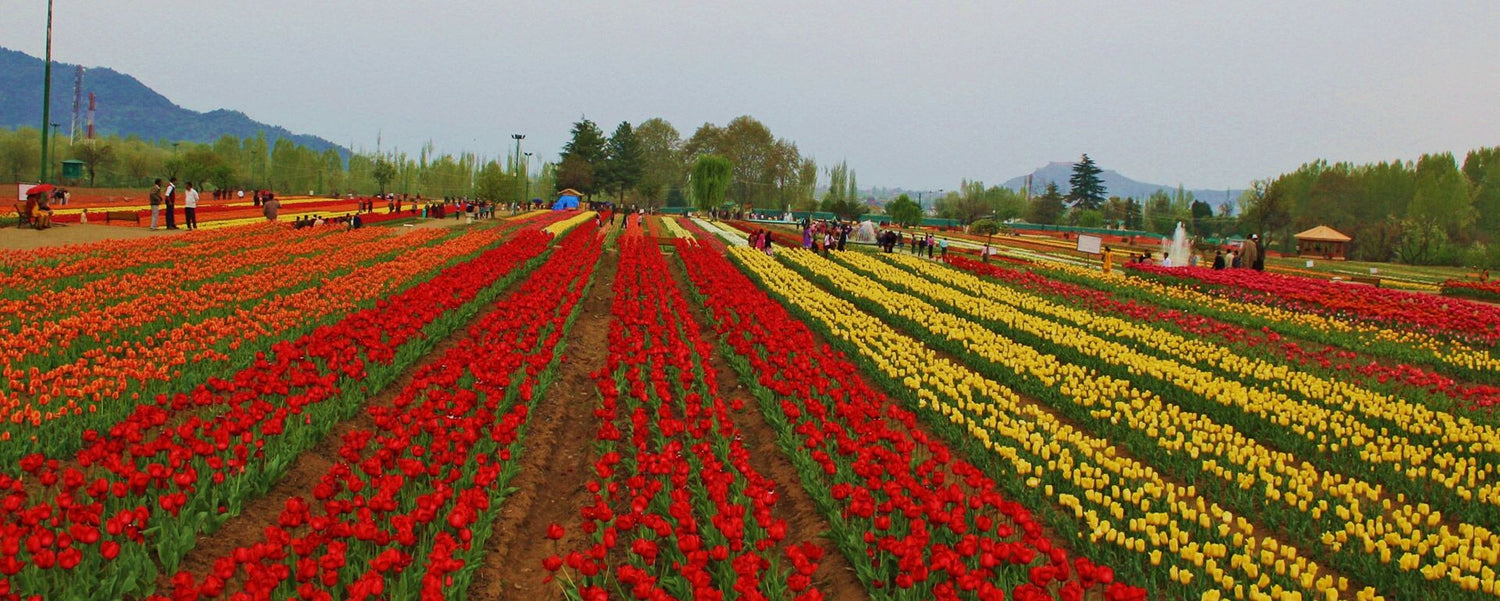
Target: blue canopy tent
x=567 y=200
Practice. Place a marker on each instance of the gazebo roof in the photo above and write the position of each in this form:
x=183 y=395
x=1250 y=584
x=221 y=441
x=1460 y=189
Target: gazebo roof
x=570 y=192
x=1323 y=233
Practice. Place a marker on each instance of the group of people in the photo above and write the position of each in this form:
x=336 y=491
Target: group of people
x=1251 y=256
x=891 y=240
x=823 y=236
x=168 y=197
x=37 y=211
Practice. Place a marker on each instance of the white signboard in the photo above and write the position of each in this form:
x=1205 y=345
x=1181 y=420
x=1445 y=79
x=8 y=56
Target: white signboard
x=21 y=192
x=1088 y=244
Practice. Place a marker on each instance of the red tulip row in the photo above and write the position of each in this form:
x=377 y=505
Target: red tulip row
x=143 y=490
x=915 y=520
x=410 y=504
x=1345 y=361
x=678 y=511
x=96 y=386
x=1455 y=319
x=1486 y=291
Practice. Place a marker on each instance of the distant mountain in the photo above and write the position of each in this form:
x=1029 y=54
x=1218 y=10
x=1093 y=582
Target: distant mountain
x=1114 y=184
x=125 y=106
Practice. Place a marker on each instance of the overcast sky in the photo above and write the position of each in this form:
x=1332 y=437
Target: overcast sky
x=912 y=94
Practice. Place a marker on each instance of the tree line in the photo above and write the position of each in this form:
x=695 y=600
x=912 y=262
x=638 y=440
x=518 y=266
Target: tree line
x=651 y=164
x=1433 y=211
x=232 y=163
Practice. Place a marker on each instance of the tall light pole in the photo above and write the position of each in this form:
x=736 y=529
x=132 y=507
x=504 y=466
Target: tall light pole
x=47 y=92
x=518 y=138
x=54 y=140
x=526 y=179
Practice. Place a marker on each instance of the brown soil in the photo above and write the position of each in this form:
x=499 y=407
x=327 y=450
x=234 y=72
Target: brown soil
x=14 y=238
x=556 y=463
x=835 y=577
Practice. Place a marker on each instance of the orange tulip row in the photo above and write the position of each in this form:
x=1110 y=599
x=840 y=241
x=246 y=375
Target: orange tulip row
x=155 y=364
x=108 y=294
x=46 y=265
x=42 y=344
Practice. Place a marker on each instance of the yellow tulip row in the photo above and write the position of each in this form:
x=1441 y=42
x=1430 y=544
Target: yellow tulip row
x=1286 y=479
x=675 y=229
x=1415 y=418
x=1452 y=353
x=1328 y=423
x=558 y=228
x=1157 y=516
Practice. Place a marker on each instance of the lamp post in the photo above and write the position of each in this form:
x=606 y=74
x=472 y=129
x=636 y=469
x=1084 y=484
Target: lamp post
x=526 y=179
x=518 y=138
x=47 y=92
x=54 y=143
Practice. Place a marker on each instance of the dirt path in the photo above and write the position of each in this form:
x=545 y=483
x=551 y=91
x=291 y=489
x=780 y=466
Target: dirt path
x=556 y=463
x=835 y=577
x=14 y=238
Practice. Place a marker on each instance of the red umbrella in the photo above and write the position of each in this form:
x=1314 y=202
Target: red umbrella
x=39 y=189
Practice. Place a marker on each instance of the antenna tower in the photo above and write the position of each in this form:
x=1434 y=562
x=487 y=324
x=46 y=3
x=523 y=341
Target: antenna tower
x=77 y=97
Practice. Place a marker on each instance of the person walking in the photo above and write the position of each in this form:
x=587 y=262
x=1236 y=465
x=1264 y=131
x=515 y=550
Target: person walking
x=1259 y=264
x=943 y=245
x=190 y=207
x=1250 y=252
x=171 y=197
x=155 y=202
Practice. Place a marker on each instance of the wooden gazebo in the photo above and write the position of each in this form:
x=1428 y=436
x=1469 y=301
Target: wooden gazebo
x=1323 y=241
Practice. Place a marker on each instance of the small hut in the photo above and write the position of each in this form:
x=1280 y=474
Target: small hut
x=567 y=200
x=1322 y=241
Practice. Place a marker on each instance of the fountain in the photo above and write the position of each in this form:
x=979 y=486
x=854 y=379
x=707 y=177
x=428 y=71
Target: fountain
x=1178 y=250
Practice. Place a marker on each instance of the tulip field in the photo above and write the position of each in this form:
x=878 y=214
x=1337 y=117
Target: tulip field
x=558 y=405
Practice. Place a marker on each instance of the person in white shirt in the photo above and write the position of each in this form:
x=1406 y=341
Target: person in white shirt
x=190 y=207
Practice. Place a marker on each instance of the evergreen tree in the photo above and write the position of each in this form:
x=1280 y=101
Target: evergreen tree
x=1048 y=207
x=588 y=146
x=1087 y=189
x=622 y=167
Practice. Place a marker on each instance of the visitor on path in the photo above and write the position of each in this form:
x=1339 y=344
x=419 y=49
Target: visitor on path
x=155 y=202
x=171 y=197
x=1259 y=262
x=1233 y=261
x=930 y=244
x=190 y=208
x=843 y=237
x=943 y=244
x=1218 y=260
x=1249 y=251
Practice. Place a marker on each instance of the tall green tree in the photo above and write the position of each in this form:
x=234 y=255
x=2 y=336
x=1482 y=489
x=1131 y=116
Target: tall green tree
x=588 y=146
x=662 y=164
x=94 y=156
x=1047 y=208
x=711 y=178
x=1087 y=189
x=904 y=211
x=622 y=162
x=1442 y=194
x=576 y=173
x=384 y=173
